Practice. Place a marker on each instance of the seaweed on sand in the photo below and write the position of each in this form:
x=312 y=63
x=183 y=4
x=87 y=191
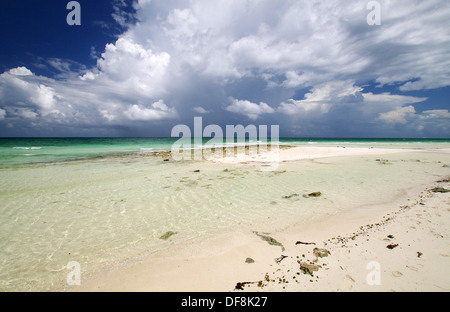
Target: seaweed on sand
x=440 y=190
x=270 y=240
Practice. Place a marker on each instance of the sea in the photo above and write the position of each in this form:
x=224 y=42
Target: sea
x=24 y=151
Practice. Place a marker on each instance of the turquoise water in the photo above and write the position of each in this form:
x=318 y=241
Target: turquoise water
x=48 y=150
x=23 y=151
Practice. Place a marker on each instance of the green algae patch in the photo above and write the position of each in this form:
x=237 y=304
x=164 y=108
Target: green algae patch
x=167 y=235
x=270 y=240
x=440 y=190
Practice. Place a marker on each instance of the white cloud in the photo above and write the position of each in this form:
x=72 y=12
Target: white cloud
x=26 y=113
x=398 y=115
x=44 y=97
x=391 y=98
x=2 y=114
x=200 y=110
x=122 y=16
x=20 y=87
x=321 y=98
x=135 y=67
x=310 y=43
x=289 y=108
x=294 y=80
x=435 y=113
x=88 y=76
x=386 y=102
x=156 y=111
x=436 y=120
x=20 y=71
x=234 y=47
x=249 y=109
x=342 y=102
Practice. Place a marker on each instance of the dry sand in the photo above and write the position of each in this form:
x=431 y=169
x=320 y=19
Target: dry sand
x=416 y=226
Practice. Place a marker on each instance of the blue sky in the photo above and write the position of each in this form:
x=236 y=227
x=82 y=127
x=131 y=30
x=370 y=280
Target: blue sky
x=138 y=68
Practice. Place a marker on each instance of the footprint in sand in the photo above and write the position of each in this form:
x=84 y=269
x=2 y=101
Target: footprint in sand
x=413 y=268
x=397 y=273
x=349 y=278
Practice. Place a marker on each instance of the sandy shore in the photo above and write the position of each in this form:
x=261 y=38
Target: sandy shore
x=401 y=245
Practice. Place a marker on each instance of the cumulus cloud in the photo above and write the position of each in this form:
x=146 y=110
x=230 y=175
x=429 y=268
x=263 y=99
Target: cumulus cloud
x=156 y=111
x=309 y=43
x=134 y=66
x=20 y=71
x=249 y=109
x=341 y=105
x=435 y=113
x=398 y=115
x=2 y=114
x=19 y=88
x=322 y=97
x=307 y=59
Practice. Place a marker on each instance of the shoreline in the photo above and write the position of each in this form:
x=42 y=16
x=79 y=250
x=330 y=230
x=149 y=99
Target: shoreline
x=217 y=262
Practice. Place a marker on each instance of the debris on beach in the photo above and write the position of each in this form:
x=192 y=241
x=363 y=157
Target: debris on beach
x=307 y=268
x=167 y=235
x=304 y=243
x=249 y=260
x=391 y=246
x=197 y=170
x=419 y=254
x=440 y=190
x=321 y=253
x=383 y=161
x=270 y=240
x=290 y=196
x=240 y=285
x=279 y=259
x=313 y=194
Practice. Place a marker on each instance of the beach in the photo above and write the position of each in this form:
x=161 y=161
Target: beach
x=308 y=218
x=225 y=147
x=397 y=241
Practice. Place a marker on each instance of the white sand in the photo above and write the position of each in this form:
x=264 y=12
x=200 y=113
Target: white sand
x=358 y=242
x=217 y=262
x=296 y=153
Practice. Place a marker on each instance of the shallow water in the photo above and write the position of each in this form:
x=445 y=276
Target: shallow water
x=103 y=212
x=26 y=151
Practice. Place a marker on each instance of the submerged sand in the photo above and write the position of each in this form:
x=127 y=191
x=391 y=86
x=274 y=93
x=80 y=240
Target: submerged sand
x=383 y=229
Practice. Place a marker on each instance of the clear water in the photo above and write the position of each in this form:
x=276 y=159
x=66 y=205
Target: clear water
x=20 y=151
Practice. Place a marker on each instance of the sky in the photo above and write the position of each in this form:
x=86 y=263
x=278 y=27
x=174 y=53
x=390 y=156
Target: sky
x=137 y=68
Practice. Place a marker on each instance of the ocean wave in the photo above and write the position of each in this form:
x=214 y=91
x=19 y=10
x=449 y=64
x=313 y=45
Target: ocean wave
x=27 y=148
